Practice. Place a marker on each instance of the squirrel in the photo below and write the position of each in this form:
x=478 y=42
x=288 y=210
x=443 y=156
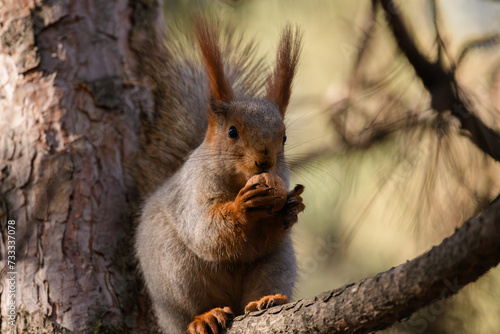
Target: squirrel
x=208 y=243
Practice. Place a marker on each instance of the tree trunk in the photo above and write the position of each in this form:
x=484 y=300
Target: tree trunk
x=69 y=112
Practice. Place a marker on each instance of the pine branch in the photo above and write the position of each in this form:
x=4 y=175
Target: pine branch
x=378 y=302
x=441 y=85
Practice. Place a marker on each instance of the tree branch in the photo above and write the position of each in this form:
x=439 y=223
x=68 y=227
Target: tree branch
x=441 y=85
x=378 y=302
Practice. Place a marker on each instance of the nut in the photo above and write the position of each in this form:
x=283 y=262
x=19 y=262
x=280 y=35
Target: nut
x=272 y=181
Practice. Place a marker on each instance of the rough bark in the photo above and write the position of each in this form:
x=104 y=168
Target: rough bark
x=378 y=302
x=69 y=109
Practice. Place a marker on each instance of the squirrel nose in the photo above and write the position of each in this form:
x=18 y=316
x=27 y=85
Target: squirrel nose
x=264 y=159
x=264 y=165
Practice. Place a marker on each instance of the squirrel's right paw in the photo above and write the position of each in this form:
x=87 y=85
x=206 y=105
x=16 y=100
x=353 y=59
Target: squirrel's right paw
x=215 y=321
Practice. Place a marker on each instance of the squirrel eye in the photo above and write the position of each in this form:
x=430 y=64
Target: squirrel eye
x=284 y=138
x=233 y=132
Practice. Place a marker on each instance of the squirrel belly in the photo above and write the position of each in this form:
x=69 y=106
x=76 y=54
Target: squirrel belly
x=183 y=285
x=184 y=255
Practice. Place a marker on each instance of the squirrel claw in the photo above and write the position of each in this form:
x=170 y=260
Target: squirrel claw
x=289 y=222
x=298 y=189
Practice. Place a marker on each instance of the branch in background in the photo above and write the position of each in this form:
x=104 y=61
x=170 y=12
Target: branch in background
x=378 y=302
x=441 y=85
x=363 y=47
x=479 y=43
x=375 y=128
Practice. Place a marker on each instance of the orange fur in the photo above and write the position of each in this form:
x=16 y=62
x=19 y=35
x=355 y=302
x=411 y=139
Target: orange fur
x=242 y=237
x=279 y=83
x=214 y=321
x=245 y=228
x=208 y=40
x=266 y=302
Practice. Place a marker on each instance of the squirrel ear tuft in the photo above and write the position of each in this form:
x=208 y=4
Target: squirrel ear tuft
x=208 y=40
x=279 y=83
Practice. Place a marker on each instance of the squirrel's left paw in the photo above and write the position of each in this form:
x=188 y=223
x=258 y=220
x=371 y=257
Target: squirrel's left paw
x=215 y=321
x=293 y=206
x=266 y=302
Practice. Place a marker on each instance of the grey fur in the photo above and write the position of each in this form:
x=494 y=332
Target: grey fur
x=177 y=250
x=179 y=244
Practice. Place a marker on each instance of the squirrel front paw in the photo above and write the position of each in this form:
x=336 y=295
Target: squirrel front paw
x=215 y=321
x=262 y=195
x=259 y=200
x=293 y=206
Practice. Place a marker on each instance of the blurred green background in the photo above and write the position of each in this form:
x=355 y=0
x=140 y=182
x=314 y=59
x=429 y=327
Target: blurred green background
x=376 y=201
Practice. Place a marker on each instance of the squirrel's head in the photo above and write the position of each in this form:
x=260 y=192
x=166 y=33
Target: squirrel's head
x=249 y=131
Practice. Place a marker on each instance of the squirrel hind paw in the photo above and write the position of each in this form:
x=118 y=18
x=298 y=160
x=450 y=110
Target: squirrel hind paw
x=215 y=321
x=266 y=302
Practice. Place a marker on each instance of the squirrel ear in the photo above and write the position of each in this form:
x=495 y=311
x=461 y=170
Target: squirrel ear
x=279 y=83
x=208 y=40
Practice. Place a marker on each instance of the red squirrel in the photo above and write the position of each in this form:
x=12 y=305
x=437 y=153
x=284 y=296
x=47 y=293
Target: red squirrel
x=209 y=244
